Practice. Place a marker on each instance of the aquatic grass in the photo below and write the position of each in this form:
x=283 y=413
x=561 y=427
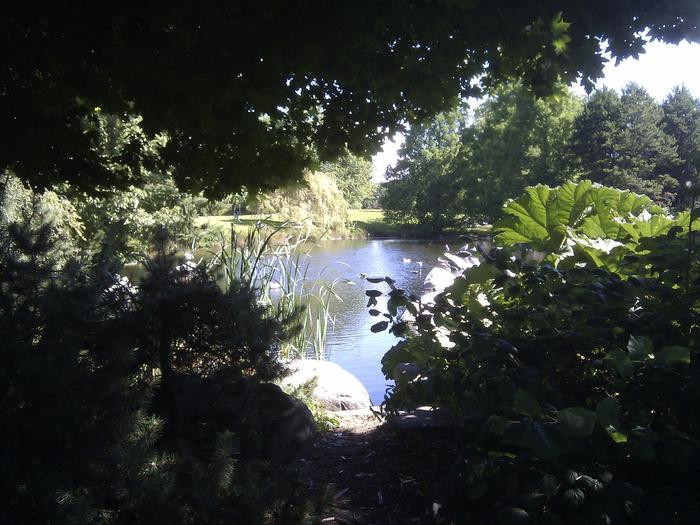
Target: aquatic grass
x=279 y=276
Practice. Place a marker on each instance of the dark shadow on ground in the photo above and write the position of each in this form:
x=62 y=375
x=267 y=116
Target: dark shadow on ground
x=378 y=475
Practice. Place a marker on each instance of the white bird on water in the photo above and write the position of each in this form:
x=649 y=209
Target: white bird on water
x=406 y=260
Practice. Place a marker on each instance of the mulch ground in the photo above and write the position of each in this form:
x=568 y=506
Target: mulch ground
x=375 y=474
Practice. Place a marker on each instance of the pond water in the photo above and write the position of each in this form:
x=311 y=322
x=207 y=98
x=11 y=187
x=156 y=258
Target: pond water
x=350 y=342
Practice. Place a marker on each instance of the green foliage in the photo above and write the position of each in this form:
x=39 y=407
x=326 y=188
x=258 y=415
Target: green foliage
x=20 y=205
x=452 y=171
x=517 y=140
x=304 y=393
x=682 y=122
x=66 y=389
x=620 y=142
x=577 y=385
x=128 y=218
x=585 y=223
x=317 y=205
x=421 y=188
x=126 y=405
x=247 y=92
x=277 y=275
x=187 y=323
x=353 y=176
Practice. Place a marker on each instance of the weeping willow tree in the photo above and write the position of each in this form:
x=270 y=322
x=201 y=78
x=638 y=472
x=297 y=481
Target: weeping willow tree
x=317 y=205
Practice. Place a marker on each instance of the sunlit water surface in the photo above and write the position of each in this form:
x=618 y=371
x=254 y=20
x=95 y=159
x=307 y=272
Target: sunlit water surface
x=350 y=342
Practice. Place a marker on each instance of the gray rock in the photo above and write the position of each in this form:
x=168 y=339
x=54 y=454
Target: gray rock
x=269 y=423
x=287 y=424
x=438 y=279
x=336 y=388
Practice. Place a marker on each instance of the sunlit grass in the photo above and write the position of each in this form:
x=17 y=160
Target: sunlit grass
x=374 y=215
x=243 y=221
x=368 y=220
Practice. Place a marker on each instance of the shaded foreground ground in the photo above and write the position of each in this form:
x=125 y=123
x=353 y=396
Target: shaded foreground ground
x=375 y=474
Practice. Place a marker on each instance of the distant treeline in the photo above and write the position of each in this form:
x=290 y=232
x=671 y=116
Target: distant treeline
x=463 y=165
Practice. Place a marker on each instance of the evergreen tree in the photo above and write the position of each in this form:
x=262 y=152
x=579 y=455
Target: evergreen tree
x=120 y=405
x=68 y=385
x=620 y=142
x=682 y=122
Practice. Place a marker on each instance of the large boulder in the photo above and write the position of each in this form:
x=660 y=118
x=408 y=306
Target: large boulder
x=270 y=424
x=438 y=279
x=336 y=388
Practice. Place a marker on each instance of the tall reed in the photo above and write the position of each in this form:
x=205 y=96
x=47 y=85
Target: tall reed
x=278 y=273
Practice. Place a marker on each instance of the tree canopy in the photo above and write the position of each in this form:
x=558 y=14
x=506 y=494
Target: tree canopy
x=621 y=142
x=682 y=122
x=454 y=170
x=353 y=175
x=248 y=92
x=422 y=187
x=517 y=140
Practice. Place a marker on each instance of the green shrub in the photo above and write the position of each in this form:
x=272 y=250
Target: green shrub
x=126 y=406
x=576 y=380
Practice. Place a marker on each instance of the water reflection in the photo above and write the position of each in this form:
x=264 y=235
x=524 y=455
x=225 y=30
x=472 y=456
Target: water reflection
x=350 y=342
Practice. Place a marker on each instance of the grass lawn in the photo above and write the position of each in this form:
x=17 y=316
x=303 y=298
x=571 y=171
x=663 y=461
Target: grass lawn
x=243 y=221
x=240 y=224
x=371 y=221
x=366 y=215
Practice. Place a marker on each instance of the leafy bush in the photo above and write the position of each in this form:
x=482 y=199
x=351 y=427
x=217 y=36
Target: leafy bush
x=129 y=219
x=129 y=215
x=575 y=381
x=125 y=406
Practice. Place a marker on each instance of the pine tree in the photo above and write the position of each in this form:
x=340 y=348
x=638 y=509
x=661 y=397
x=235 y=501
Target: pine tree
x=620 y=142
x=682 y=122
x=127 y=407
x=67 y=380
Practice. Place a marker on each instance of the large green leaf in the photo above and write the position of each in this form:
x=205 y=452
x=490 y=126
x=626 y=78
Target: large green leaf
x=526 y=219
x=639 y=347
x=608 y=412
x=524 y=403
x=657 y=225
x=577 y=421
x=582 y=215
x=572 y=203
x=604 y=224
x=620 y=362
x=675 y=355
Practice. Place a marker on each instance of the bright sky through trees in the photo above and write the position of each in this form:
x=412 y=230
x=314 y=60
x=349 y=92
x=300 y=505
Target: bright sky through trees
x=662 y=67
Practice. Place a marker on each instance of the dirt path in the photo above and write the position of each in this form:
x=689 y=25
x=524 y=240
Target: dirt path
x=375 y=474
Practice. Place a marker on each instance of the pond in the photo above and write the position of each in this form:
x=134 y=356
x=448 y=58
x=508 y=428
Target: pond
x=350 y=342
